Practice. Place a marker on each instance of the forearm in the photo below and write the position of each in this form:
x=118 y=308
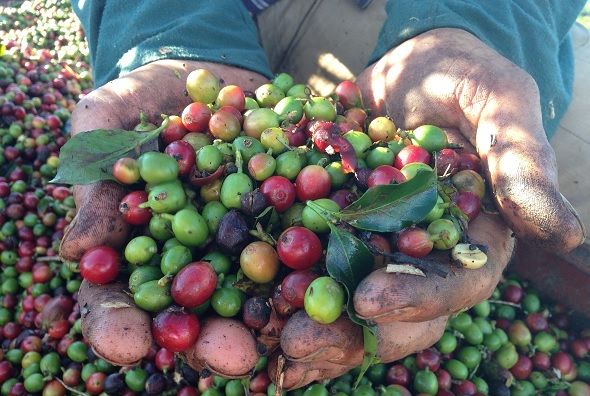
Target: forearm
x=125 y=35
x=532 y=34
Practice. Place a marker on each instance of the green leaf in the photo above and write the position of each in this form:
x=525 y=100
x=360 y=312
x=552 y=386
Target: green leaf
x=348 y=260
x=88 y=157
x=392 y=207
x=2 y=49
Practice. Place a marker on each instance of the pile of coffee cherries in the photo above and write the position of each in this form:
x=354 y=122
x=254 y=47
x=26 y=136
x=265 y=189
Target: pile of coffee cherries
x=526 y=347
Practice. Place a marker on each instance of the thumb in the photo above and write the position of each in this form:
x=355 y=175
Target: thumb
x=97 y=222
x=522 y=169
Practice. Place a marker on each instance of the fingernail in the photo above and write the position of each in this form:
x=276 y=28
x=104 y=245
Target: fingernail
x=574 y=212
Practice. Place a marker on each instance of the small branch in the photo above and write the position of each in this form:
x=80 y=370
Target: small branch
x=280 y=375
x=45 y=259
x=75 y=391
x=504 y=303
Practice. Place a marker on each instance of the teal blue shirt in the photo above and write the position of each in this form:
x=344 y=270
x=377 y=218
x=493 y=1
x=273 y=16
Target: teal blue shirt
x=534 y=34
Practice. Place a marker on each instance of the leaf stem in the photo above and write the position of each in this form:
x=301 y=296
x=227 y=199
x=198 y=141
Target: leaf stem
x=158 y=130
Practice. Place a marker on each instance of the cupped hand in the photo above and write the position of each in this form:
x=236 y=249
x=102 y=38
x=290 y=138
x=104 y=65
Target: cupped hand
x=156 y=88
x=448 y=78
x=410 y=311
x=115 y=328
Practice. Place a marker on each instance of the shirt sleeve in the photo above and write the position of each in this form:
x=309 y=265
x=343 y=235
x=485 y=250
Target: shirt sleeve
x=124 y=35
x=534 y=34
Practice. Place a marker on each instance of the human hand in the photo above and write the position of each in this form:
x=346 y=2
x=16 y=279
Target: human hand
x=410 y=311
x=449 y=78
x=121 y=332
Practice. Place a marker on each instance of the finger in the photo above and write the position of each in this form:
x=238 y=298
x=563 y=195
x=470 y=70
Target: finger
x=397 y=340
x=117 y=105
x=448 y=77
x=225 y=347
x=298 y=374
x=522 y=169
x=303 y=339
x=97 y=222
x=316 y=351
x=384 y=297
x=115 y=328
x=339 y=347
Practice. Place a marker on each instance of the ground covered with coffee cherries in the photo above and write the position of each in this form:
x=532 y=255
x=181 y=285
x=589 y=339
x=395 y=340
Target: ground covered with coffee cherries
x=515 y=343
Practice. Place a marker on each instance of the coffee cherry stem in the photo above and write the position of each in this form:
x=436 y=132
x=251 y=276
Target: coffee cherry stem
x=167 y=216
x=262 y=235
x=72 y=266
x=404 y=133
x=323 y=162
x=284 y=143
x=144 y=124
x=163 y=281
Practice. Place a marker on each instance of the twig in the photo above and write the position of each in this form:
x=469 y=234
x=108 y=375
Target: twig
x=75 y=391
x=48 y=258
x=504 y=303
x=280 y=376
